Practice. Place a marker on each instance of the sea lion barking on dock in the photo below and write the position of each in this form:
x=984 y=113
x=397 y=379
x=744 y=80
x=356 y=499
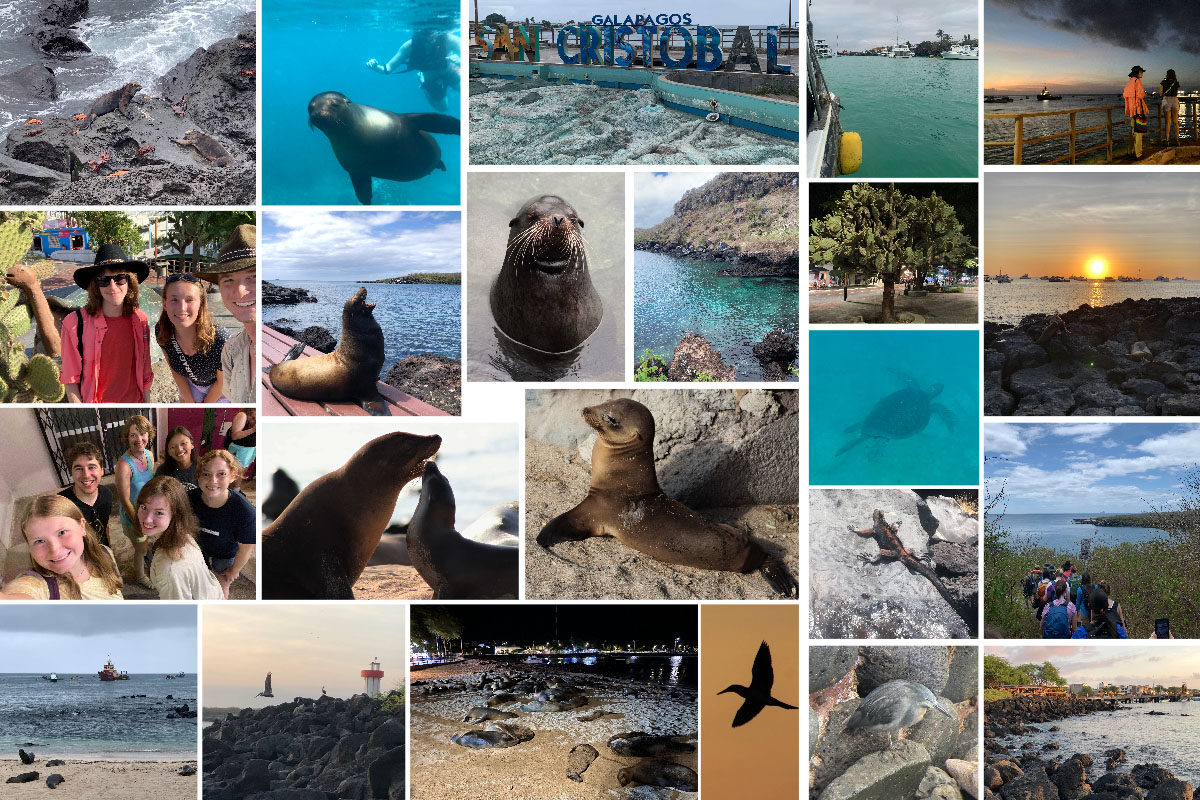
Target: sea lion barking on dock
x=321 y=542
x=625 y=501
x=543 y=297
x=351 y=372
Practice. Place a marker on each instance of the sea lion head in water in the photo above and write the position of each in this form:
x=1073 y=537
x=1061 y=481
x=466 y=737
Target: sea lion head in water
x=350 y=372
x=319 y=545
x=370 y=141
x=543 y=297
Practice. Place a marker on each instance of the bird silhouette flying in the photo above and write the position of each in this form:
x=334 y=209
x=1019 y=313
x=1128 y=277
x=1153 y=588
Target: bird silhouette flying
x=266 y=692
x=758 y=693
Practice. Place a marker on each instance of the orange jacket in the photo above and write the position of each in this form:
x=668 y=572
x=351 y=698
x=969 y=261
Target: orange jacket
x=84 y=368
x=1135 y=98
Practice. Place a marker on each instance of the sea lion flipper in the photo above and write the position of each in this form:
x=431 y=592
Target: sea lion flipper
x=295 y=352
x=435 y=123
x=778 y=576
x=569 y=526
x=441 y=165
x=362 y=188
x=376 y=408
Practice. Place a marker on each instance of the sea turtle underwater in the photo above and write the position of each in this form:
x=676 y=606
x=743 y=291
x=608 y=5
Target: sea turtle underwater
x=899 y=415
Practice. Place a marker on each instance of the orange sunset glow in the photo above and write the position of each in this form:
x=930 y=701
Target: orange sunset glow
x=1092 y=226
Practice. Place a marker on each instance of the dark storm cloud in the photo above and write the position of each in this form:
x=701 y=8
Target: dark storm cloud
x=1133 y=24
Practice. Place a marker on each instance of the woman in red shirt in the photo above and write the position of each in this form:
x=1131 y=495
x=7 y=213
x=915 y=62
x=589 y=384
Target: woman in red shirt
x=113 y=365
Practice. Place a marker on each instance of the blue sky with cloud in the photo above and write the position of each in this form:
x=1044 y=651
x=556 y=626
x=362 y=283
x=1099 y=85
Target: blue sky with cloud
x=656 y=193
x=307 y=245
x=863 y=24
x=1065 y=467
x=76 y=638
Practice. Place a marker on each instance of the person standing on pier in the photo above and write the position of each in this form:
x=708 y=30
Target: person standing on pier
x=1170 y=104
x=1134 y=95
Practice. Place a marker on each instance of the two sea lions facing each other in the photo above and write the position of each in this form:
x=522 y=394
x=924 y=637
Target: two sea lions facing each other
x=494 y=734
x=626 y=502
x=543 y=297
x=319 y=545
x=370 y=142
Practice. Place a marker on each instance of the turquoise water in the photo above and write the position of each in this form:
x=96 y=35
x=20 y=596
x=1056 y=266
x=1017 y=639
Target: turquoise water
x=851 y=371
x=415 y=318
x=1057 y=530
x=316 y=46
x=674 y=295
x=918 y=117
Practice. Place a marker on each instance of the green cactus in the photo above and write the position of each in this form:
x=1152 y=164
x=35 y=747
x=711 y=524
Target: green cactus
x=22 y=379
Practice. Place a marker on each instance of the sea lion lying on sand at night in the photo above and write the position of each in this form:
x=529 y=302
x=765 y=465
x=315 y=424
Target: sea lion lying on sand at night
x=626 y=502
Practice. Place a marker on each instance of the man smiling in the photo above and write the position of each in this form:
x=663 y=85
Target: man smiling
x=93 y=500
x=236 y=275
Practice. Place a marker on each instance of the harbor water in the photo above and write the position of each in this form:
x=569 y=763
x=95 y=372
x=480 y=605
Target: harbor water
x=1001 y=130
x=90 y=717
x=1168 y=740
x=1060 y=533
x=658 y=670
x=1011 y=302
x=674 y=295
x=314 y=46
x=131 y=40
x=918 y=117
x=415 y=318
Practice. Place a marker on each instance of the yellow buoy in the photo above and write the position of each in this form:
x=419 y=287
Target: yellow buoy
x=850 y=153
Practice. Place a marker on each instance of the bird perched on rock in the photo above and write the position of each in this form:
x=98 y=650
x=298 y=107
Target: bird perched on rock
x=894 y=706
x=758 y=693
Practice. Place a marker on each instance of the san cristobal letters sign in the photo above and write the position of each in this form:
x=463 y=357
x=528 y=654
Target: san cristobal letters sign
x=612 y=41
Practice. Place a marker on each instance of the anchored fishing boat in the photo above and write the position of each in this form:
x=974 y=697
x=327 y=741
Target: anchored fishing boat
x=109 y=673
x=1045 y=94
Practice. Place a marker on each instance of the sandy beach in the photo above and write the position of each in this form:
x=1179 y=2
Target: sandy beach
x=95 y=778
x=536 y=769
x=391 y=582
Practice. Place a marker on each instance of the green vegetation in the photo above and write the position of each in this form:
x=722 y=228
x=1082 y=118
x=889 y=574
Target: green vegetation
x=392 y=702
x=1150 y=579
x=995 y=694
x=998 y=672
x=705 y=377
x=874 y=232
x=650 y=367
x=111 y=227
x=194 y=231
x=424 y=277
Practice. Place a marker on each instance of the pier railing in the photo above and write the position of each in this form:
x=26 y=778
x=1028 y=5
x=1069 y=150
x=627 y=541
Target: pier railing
x=1115 y=132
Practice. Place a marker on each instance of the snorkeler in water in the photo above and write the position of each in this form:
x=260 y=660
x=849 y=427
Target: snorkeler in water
x=434 y=55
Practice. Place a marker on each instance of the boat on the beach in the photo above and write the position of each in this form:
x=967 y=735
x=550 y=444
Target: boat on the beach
x=831 y=151
x=1045 y=94
x=962 y=52
x=109 y=673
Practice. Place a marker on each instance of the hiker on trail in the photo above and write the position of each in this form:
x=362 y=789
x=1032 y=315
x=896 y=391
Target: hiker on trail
x=1083 y=596
x=1105 y=622
x=1059 y=618
x=1113 y=605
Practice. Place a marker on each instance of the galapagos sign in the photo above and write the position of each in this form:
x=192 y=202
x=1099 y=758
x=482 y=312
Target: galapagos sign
x=605 y=43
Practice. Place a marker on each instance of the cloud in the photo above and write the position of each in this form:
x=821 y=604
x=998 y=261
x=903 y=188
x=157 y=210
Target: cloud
x=79 y=620
x=1131 y=24
x=1086 y=432
x=305 y=244
x=1008 y=439
x=656 y=194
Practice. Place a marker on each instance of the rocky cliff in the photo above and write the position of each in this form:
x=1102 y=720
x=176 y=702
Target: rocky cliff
x=748 y=220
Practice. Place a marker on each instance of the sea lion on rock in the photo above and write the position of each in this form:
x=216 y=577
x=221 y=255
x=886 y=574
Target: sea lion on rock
x=543 y=297
x=455 y=567
x=319 y=545
x=660 y=773
x=351 y=372
x=116 y=100
x=494 y=734
x=372 y=142
x=626 y=502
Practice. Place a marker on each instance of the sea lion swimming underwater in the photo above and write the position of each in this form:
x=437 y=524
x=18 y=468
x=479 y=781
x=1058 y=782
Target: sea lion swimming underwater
x=626 y=502
x=543 y=297
x=370 y=142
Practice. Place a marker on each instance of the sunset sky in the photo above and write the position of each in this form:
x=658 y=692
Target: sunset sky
x=1088 y=47
x=1163 y=663
x=1060 y=224
x=757 y=759
x=305 y=647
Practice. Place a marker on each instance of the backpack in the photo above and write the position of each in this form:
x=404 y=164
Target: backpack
x=51 y=583
x=1030 y=584
x=1074 y=584
x=1057 y=624
x=1085 y=604
x=1107 y=627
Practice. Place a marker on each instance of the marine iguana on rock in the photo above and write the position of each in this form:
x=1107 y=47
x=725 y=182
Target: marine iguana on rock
x=116 y=100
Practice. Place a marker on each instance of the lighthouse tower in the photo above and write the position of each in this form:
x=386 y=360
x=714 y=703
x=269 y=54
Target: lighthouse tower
x=371 y=678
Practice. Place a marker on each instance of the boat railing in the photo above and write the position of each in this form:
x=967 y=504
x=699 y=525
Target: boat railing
x=1116 y=132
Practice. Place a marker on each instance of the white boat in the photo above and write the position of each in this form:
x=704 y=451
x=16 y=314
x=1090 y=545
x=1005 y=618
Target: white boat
x=900 y=51
x=962 y=52
x=822 y=48
x=53 y=676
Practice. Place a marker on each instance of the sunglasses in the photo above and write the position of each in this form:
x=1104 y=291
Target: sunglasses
x=181 y=276
x=121 y=279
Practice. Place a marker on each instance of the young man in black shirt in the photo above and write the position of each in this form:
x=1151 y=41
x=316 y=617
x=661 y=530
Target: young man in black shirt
x=94 y=501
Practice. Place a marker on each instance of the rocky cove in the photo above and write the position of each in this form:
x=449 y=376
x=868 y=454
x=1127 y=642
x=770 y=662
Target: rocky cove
x=1021 y=766
x=1133 y=358
x=146 y=154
